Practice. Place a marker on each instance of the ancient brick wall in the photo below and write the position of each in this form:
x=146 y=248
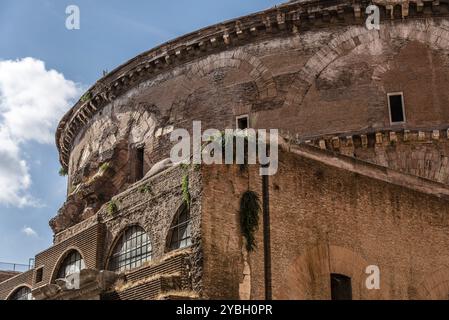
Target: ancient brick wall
x=310 y=69
x=155 y=280
x=9 y=286
x=325 y=220
x=313 y=71
x=152 y=204
x=87 y=242
x=329 y=81
x=326 y=81
x=421 y=153
x=5 y=275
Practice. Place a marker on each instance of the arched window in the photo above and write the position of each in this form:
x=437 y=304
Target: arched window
x=131 y=251
x=72 y=263
x=179 y=235
x=22 y=293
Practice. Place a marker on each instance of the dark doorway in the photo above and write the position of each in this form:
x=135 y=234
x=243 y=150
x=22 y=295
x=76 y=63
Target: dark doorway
x=341 y=287
x=140 y=161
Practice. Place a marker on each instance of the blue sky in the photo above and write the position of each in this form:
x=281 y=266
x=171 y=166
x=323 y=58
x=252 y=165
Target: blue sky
x=112 y=32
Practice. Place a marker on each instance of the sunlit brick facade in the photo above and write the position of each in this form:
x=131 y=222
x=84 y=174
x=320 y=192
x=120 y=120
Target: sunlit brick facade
x=364 y=163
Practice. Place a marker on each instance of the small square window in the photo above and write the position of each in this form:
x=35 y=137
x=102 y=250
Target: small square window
x=39 y=275
x=242 y=122
x=396 y=106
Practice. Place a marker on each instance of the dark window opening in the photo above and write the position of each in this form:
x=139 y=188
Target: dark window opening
x=39 y=275
x=341 y=287
x=243 y=123
x=140 y=161
x=396 y=103
x=397 y=12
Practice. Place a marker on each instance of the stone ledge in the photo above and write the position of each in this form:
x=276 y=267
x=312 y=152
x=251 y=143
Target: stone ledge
x=92 y=283
x=370 y=170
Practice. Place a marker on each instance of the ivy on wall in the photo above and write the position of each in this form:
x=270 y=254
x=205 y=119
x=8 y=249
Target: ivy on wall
x=249 y=217
x=112 y=207
x=63 y=172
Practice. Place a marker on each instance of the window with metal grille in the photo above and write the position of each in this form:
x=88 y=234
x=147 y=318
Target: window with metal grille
x=341 y=287
x=180 y=231
x=73 y=263
x=23 y=293
x=131 y=251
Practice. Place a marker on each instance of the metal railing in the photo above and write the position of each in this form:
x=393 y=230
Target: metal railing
x=17 y=267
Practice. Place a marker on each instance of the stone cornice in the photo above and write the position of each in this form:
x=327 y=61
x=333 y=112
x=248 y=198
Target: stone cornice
x=291 y=17
x=390 y=135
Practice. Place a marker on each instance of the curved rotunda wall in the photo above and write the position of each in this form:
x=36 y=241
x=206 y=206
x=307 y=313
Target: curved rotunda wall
x=343 y=86
x=145 y=115
x=320 y=82
x=330 y=81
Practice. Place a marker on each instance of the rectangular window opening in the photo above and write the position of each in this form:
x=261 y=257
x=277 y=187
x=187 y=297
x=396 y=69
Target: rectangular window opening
x=140 y=164
x=396 y=106
x=242 y=122
x=341 y=287
x=39 y=275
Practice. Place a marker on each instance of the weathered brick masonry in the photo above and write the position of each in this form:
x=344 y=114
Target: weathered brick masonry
x=354 y=187
x=9 y=286
x=153 y=209
x=326 y=220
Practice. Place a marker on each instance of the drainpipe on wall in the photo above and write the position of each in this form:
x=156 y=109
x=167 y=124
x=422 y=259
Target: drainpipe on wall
x=266 y=237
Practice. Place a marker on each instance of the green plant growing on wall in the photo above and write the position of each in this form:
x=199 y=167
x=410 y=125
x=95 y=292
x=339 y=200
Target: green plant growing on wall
x=249 y=217
x=185 y=166
x=185 y=189
x=112 y=207
x=105 y=166
x=86 y=97
x=145 y=188
x=63 y=172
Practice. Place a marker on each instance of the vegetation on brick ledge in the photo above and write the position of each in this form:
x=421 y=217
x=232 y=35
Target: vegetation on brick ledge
x=146 y=188
x=86 y=97
x=112 y=207
x=249 y=217
x=105 y=166
x=63 y=172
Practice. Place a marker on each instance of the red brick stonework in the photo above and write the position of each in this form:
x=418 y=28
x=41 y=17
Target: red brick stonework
x=353 y=188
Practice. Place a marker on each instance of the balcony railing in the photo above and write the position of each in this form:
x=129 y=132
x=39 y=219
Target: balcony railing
x=17 y=267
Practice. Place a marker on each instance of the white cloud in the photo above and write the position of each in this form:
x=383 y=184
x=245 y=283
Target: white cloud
x=32 y=100
x=14 y=175
x=29 y=232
